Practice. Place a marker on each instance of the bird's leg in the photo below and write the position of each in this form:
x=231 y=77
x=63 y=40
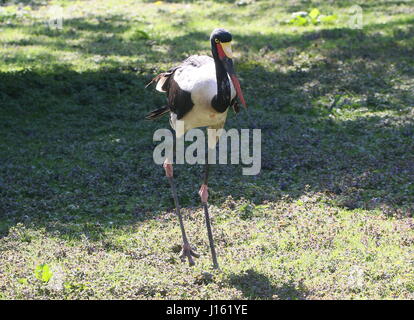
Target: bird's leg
x=187 y=251
x=204 y=197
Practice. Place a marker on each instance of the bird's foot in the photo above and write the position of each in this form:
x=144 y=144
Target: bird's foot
x=188 y=252
x=203 y=193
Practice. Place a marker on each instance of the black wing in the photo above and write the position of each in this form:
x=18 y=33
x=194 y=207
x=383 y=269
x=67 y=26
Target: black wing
x=178 y=100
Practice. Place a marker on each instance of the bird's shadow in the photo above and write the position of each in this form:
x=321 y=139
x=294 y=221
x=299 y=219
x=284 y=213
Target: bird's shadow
x=255 y=285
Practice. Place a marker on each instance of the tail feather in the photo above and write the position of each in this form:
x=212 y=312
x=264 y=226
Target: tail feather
x=155 y=79
x=162 y=80
x=155 y=114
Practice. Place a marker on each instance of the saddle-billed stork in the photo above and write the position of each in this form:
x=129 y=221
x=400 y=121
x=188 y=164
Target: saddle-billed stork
x=199 y=92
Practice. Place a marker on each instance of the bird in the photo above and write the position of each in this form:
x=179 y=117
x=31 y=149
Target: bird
x=199 y=92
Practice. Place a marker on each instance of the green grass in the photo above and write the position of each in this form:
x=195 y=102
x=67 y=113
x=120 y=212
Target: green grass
x=86 y=214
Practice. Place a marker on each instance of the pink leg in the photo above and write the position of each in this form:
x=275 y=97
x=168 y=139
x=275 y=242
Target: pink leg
x=203 y=193
x=169 y=172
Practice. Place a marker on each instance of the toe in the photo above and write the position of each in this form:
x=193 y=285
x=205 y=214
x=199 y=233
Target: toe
x=189 y=253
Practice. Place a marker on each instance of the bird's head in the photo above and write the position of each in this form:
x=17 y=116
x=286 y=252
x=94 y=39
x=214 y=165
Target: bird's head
x=221 y=49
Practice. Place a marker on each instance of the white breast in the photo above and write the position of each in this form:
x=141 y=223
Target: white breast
x=201 y=82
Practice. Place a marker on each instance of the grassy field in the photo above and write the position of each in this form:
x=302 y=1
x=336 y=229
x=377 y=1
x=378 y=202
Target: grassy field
x=86 y=214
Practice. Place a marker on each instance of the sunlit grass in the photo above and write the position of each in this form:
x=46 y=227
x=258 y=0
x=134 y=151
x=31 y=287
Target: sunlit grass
x=330 y=215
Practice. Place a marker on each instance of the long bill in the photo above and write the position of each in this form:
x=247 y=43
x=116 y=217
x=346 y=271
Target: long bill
x=228 y=65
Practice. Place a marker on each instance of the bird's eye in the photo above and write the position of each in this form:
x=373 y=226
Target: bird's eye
x=217 y=40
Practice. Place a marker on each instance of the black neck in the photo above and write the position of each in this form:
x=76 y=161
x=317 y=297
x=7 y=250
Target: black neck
x=221 y=101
